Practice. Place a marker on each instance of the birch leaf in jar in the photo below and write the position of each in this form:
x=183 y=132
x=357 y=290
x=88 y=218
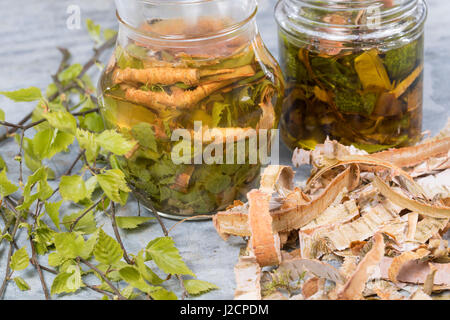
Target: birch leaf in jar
x=232 y=87
x=349 y=80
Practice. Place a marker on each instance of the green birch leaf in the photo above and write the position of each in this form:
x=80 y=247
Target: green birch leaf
x=73 y=188
x=2 y=115
x=94 y=122
x=114 y=142
x=107 y=250
x=89 y=246
x=51 y=90
x=145 y=271
x=62 y=120
x=94 y=30
x=74 y=281
x=52 y=210
x=166 y=256
x=88 y=142
x=44 y=190
x=67 y=282
x=217 y=111
x=129 y=293
x=131 y=222
x=60 y=143
x=109 y=34
x=42 y=142
x=21 y=284
x=218 y=183
x=70 y=73
x=112 y=182
x=59 y=284
x=23 y=95
x=143 y=133
x=3 y=164
x=132 y=276
x=20 y=260
x=6 y=187
x=197 y=287
x=69 y=245
x=85 y=225
x=55 y=259
x=161 y=293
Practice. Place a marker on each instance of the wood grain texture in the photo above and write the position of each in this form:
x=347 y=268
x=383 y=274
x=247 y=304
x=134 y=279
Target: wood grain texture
x=30 y=31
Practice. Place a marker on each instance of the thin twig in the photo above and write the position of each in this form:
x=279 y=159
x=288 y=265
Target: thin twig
x=166 y=233
x=117 y=234
x=73 y=85
x=38 y=268
x=94 y=288
x=8 y=272
x=103 y=276
x=21 y=158
x=72 y=226
x=188 y=219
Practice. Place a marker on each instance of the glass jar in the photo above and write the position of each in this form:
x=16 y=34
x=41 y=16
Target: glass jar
x=354 y=72
x=185 y=77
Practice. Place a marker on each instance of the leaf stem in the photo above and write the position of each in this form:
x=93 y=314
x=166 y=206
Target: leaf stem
x=73 y=225
x=103 y=276
x=117 y=234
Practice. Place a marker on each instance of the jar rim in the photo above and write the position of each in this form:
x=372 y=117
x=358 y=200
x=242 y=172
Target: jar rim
x=225 y=32
x=295 y=25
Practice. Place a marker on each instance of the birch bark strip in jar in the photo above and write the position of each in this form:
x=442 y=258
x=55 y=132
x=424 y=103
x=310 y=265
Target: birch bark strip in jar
x=178 y=64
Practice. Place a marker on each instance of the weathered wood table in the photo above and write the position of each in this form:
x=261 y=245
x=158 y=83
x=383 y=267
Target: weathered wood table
x=30 y=31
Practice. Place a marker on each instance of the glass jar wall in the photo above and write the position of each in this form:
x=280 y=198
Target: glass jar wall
x=354 y=72
x=178 y=65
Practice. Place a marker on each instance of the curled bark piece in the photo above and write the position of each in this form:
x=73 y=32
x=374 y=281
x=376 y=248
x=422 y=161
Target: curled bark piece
x=296 y=266
x=178 y=99
x=341 y=213
x=242 y=72
x=436 y=186
x=301 y=157
x=428 y=227
x=310 y=287
x=398 y=262
x=359 y=230
x=420 y=295
x=416 y=272
x=267 y=119
x=429 y=281
x=248 y=279
x=413 y=205
x=182 y=180
x=411 y=156
x=265 y=243
x=405 y=84
x=354 y=287
x=152 y=76
x=358 y=160
x=412 y=225
x=277 y=175
x=292 y=215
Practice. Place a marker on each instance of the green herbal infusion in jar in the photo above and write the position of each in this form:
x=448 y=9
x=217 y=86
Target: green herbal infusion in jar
x=354 y=72
x=199 y=68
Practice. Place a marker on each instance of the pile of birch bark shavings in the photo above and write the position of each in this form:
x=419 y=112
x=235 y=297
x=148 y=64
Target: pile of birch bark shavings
x=362 y=227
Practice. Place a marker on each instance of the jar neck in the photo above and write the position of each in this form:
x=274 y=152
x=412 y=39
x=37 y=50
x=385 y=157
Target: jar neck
x=180 y=23
x=352 y=23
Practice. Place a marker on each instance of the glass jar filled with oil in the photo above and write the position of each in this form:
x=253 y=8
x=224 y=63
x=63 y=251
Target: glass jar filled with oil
x=354 y=72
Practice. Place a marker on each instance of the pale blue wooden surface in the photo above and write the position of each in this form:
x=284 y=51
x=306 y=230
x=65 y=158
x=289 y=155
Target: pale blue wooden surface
x=30 y=31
